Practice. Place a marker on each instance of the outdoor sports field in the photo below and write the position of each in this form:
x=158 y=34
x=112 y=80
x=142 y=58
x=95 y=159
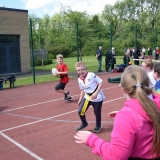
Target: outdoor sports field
x=36 y=123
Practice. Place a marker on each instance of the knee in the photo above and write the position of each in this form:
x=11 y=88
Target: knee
x=56 y=88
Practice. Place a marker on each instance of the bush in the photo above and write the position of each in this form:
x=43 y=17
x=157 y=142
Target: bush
x=61 y=49
x=38 y=61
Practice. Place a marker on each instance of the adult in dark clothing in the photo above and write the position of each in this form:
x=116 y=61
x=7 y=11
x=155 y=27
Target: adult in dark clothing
x=108 y=59
x=99 y=58
x=149 y=51
x=126 y=59
x=136 y=55
x=113 y=58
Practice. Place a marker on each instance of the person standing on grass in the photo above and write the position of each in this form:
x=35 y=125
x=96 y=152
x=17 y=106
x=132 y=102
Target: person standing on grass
x=99 y=58
x=157 y=52
x=91 y=94
x=136 y=129
x=113 y=58
x=126 y=59
x=108 y=60
x=64 y=79
x=136 y=55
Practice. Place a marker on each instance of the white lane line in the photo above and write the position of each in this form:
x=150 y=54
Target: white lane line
x=113 y=100
x=21 y=147
x=47 y=101
x=53 y=120
x=35 y=104
x=51 y=117
x=37 y=121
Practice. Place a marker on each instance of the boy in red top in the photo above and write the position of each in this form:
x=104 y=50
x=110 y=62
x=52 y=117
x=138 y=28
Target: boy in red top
x=64 y=79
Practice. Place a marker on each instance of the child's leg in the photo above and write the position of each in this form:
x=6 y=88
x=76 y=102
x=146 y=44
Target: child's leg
x=81 y=112
x=97 y=111
x=60 y=88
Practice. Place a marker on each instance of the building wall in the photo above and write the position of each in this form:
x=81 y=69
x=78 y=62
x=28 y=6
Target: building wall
x=15 y=22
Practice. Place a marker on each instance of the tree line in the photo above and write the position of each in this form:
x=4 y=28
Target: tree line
x=125 y=24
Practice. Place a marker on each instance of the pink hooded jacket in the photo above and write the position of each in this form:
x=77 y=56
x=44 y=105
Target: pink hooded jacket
x=132 y=134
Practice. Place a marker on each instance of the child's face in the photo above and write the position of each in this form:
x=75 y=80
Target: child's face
x=155 y=75
x=144 y=66
x=81 y=71
x=59 y=60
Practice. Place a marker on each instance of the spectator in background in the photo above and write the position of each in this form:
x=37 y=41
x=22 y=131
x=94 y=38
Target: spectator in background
x=147 y=65
x=157 y=51
x=157 y=77
x=131 y=52
x=125 y=50
x=99 y=58
x=126 y=59
x=108 y=59
x=136 y=55
x=149 y=51
x=113 y=58
x=143 y=52
x=128 y=50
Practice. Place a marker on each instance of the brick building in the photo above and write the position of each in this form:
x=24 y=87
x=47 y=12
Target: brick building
x=14 y=41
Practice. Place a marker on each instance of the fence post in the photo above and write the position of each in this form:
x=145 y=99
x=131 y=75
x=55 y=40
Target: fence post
x=77 y=41
x=31 y=42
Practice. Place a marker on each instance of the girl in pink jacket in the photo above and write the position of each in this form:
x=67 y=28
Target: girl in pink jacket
x=136 y=131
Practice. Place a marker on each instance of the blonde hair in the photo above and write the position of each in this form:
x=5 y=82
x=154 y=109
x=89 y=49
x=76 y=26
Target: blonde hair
x=148 y=63
x=126 y=54
x=135 y=75
x=59 y=56
x=80 y=63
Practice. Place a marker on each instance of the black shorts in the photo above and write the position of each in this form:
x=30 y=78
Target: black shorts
x=60 y=86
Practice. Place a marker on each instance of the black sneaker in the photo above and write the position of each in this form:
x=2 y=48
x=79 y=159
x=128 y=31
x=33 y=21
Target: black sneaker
x=68 y=99
x=97 y=129
x=66 y=95
x=81 y=126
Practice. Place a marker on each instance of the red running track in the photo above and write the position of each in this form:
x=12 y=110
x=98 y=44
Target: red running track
x=36 y=123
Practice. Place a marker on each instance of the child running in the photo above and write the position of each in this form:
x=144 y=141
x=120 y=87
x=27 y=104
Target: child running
x=64 y=79
x=136 y=129
x=91 y=94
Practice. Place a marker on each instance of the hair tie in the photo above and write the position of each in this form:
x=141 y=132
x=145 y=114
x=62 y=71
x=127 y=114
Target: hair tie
x=138 y=85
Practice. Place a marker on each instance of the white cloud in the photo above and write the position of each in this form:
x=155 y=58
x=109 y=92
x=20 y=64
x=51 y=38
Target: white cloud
x=53 y=6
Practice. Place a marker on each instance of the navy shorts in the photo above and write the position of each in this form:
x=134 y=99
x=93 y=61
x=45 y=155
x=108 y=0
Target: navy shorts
x=60 y=86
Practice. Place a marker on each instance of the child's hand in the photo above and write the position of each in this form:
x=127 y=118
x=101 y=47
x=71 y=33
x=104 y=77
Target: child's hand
x=94 y=96
x=79 y=102
x=112 y=114
x=57 y=74
x=82 y=136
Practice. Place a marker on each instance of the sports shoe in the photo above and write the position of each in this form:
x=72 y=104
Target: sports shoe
x=66 y=95
x=81 y=126
x=68 y=99
x=97 y=129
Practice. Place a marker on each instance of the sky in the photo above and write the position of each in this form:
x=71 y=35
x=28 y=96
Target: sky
x=42 y=7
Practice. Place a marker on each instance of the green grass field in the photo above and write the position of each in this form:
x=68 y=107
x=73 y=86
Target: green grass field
x=90 y=61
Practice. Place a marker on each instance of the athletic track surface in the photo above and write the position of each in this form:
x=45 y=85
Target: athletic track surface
x=36 y=123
